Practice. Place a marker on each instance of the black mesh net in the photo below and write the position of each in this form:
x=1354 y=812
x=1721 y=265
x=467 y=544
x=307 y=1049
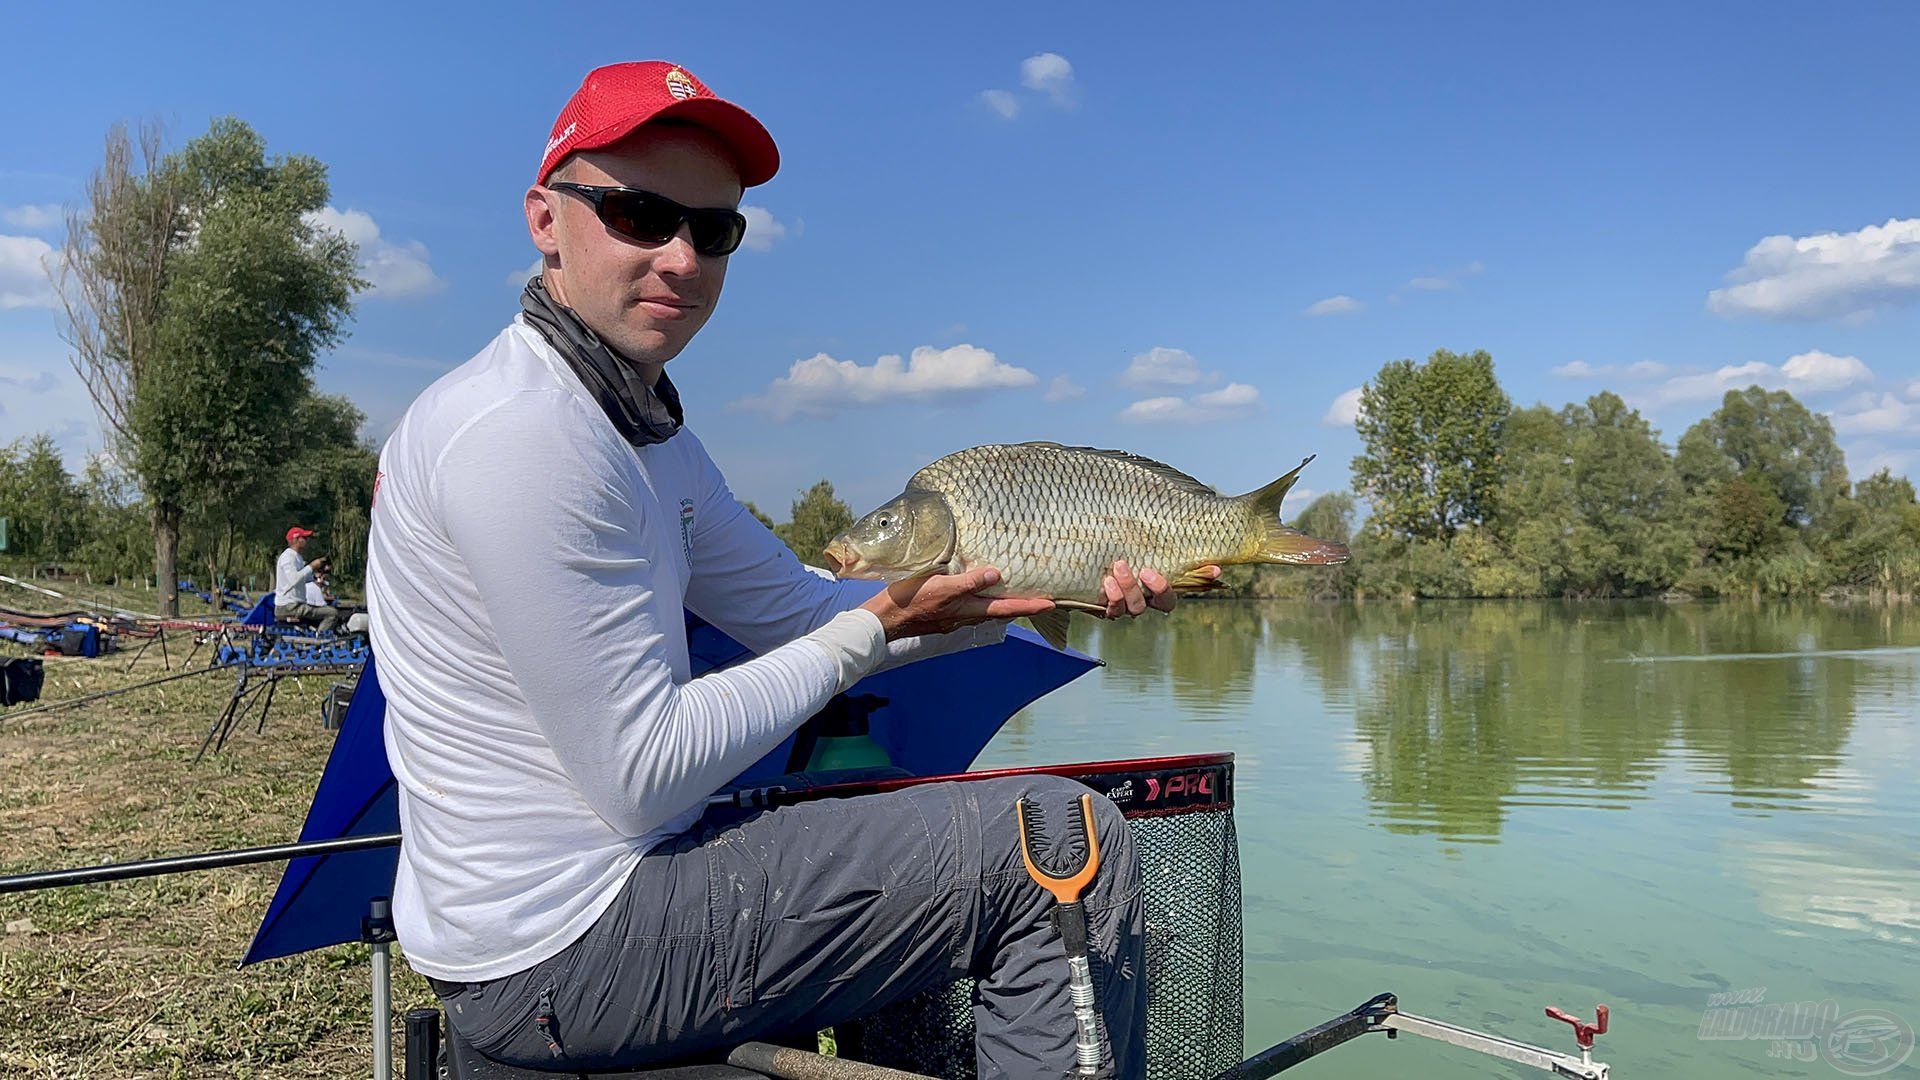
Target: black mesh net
x=1190 y=871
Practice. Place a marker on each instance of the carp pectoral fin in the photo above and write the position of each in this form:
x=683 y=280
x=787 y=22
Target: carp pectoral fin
x=1052 y=625
x=1195 y=580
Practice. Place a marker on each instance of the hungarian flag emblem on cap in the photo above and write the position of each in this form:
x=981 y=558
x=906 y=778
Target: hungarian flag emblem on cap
x=615 y=100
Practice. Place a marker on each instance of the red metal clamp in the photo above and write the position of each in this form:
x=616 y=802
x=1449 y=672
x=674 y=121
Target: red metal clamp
x=1583 y=1032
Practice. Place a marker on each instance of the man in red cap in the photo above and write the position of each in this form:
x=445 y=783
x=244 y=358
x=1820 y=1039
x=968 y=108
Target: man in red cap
x=290 y=577
x=542 y=521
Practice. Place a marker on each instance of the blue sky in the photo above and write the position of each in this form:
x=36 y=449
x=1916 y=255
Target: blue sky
x=1187 y=237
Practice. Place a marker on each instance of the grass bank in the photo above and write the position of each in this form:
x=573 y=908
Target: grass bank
x=137 y=979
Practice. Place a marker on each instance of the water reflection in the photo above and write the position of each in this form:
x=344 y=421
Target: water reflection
x=1462 y=713
x=1483 y=806
x=1206 y=655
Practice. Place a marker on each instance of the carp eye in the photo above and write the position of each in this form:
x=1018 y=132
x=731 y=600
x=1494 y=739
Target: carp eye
x=886 y=521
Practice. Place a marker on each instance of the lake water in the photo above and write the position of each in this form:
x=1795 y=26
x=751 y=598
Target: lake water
x=1487 y=808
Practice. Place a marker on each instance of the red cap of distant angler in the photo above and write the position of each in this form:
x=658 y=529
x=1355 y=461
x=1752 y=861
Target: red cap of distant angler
x=614 y=100
x=296 y=533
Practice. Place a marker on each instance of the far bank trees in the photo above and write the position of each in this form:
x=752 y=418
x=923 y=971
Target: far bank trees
x=1470 y=497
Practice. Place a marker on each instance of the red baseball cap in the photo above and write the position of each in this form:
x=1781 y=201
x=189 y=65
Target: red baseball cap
x=614 y=100
x=296 y=533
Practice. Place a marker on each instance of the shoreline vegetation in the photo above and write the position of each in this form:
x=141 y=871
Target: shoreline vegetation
x=1458 y=494
x=1470 y=497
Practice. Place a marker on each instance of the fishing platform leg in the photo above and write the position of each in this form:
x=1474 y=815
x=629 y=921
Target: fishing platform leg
x=231 y=715
x=221 y=721
x=376 y=929
x=273 y=683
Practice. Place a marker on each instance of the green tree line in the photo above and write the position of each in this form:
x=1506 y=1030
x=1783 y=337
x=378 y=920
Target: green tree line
x=197 y=291
x=1460 y=494
x=1467 y=495
x=99 y=523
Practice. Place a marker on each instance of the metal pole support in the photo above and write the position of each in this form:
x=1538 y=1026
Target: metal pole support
x=423 y=1044
x=376 y=929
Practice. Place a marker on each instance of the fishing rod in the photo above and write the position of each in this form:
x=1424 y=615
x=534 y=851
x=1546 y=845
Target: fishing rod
x=78 y=600
x=58 y=705
x=177 y=864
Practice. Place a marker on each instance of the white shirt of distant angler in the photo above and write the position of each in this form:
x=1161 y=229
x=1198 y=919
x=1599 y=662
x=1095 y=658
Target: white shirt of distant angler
x=291 y=575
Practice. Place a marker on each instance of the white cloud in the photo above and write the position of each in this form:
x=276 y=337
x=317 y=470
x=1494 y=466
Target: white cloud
x=1810 y=372
x=1334 y=305
x=1161 y=366
x=1345 y=410
x=1913 y=390
x=1826 y=276
x=1231 y=401
x=43 y=216
x=762 y=228
x=38 y=383
x=1894 y=461
x=1296 y=498
x=1447 y=281
x=1639 y=369
x=1816 y=370
x=25 y=265
x=517 y=279
x=1877 y=414
x=1051 y=74
x=820 y=385
x=1063 y=388
x=394 y=271
x=1002 y=102
x=1710 y=385
x=1231 y=396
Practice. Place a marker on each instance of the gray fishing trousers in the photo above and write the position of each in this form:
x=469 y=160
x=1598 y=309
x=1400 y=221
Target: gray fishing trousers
x=809 y=915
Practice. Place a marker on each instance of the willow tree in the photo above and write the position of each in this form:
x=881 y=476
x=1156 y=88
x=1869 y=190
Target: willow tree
x=198 y=294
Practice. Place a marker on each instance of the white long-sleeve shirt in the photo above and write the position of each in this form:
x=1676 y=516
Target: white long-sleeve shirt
x=290 y=576
x=527 y=570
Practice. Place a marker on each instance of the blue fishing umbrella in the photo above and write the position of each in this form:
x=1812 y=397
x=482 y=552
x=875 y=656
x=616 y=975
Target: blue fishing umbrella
x=932 y=717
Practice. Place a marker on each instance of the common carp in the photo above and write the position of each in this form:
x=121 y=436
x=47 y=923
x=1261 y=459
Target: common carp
x=1054 y=519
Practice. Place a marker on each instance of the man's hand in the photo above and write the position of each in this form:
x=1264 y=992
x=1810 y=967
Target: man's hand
x=320 y=564
x=1131 y=594
x=938 y=603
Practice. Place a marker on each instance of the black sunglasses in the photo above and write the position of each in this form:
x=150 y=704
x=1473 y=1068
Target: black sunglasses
x=655 y=219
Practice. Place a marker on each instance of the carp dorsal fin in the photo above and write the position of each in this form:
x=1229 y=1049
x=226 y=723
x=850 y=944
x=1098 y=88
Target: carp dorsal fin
x=1266 y=501
x=1159 y=468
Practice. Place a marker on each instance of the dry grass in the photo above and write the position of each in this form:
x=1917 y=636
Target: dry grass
x=137 y=979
